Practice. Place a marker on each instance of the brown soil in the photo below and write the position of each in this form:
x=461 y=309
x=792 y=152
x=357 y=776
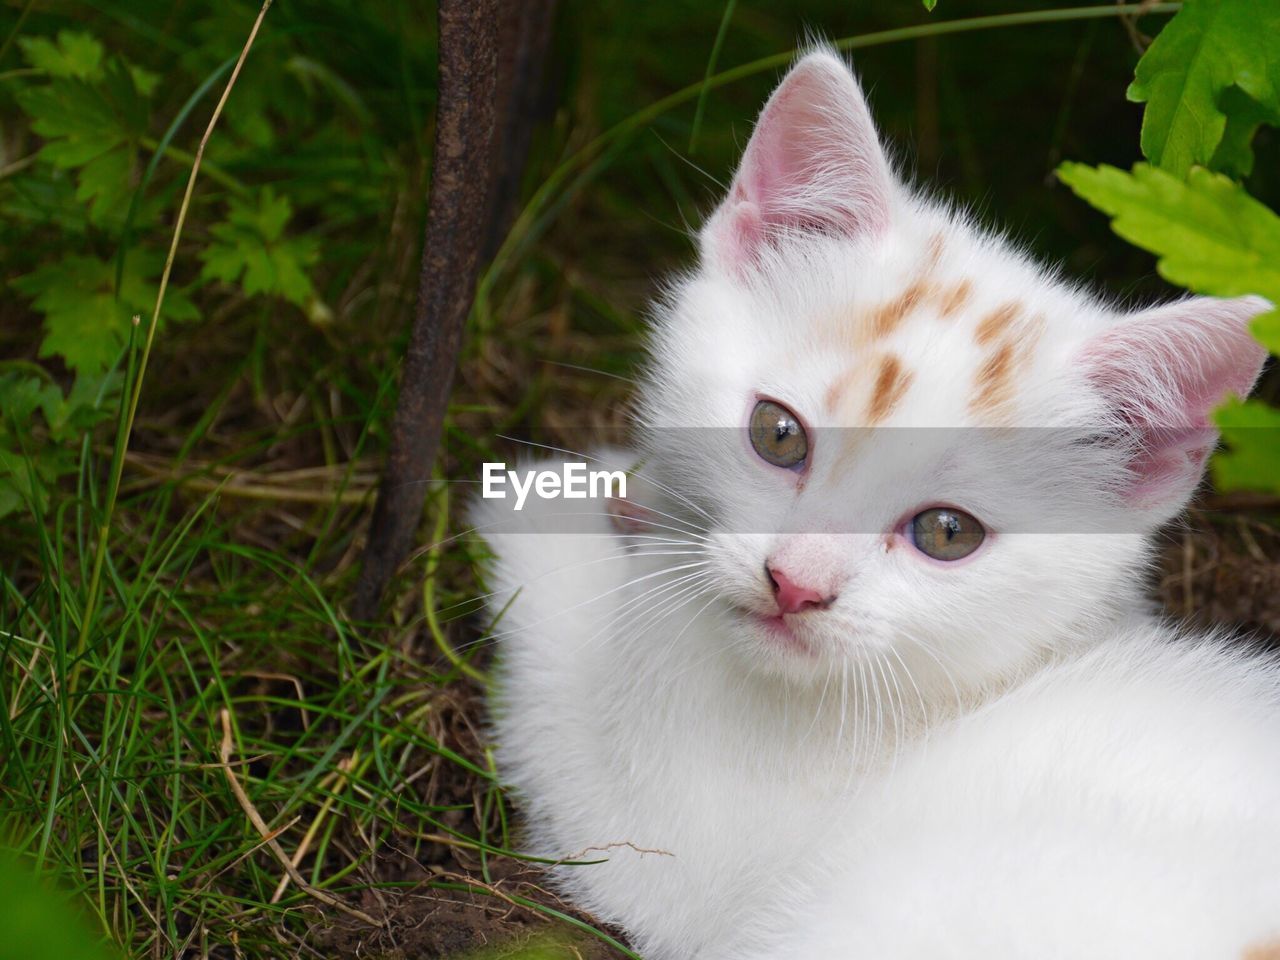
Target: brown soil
x=1223 y=568
x=425 y=922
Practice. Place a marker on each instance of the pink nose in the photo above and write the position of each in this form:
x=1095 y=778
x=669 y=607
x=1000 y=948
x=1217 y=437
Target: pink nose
x=791 y=597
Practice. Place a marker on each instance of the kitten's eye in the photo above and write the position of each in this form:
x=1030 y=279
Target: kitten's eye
x=946 y=534
x=777 y=436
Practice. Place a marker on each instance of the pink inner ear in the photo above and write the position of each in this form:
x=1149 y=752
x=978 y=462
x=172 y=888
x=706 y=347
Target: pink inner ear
x=1169 y=463
x=1163 y=372
x=742 y=233
x=814 y=163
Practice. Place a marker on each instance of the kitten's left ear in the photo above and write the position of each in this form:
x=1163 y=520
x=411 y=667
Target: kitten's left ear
x=814 y=163
x=1161 y=373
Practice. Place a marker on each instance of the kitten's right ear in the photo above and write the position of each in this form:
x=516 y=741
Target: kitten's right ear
x=1161 y=373
x=814 y=163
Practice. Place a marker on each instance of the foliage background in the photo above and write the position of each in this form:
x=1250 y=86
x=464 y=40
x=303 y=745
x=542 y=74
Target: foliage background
x=248 y=479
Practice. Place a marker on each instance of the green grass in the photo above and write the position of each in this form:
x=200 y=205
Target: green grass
x=113 y=774
x=195 y=562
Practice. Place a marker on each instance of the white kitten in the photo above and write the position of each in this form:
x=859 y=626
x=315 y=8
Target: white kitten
x=870 y=674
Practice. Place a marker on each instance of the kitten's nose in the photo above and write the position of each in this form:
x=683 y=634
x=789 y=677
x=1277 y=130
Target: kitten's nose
x=791 y=596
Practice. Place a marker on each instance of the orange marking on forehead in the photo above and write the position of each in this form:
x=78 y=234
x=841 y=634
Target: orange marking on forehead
x=1012 y=358
x=951 y=301
x=937 y=243
x=888 y=316
x=994 y=324
x=993 y=382
x=890 y=386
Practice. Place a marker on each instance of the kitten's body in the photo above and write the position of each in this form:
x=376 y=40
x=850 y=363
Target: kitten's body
x=1122 y=802
x=1001 y=757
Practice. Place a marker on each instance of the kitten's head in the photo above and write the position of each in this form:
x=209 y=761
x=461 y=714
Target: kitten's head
x=904 y=439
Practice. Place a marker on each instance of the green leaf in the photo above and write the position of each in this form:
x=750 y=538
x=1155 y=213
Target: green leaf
x=39 y=202
x=39 y=431
x=1251 y=432
x=85 y=322
x=250 y=247
x=74 y=118
x=74 y=54
x=26 y=466
x=1234 y=155
x=10 y=497
x=106 y=180
x=87 y=403
x=92 y=124
x=41 y=924
x=930 y=4
x=1210 y=235
x=144 y=81
x=1208 y=47
x=25 y=394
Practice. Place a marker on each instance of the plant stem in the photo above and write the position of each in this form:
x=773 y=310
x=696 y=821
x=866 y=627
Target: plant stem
x=117 y=461
x=438 y=537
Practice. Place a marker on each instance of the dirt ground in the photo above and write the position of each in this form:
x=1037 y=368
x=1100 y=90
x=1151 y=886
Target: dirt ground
x=427 y=922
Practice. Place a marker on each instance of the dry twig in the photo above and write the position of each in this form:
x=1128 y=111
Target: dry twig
x=338 y=781
x=269 y=836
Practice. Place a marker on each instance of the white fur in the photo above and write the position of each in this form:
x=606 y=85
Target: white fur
x=1005 y=757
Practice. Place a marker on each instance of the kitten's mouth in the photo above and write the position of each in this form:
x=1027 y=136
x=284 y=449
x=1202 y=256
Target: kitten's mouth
x=779 y=631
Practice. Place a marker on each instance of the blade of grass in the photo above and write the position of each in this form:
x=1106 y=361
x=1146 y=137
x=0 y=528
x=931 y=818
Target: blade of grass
x=117 y=463
x=711 y=68
x=126 y=232
x=438 y=536
x=17 y=27
x=521 y=231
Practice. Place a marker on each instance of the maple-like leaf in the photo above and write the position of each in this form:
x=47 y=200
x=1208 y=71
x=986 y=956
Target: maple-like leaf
x=1251 y=432
x=73 y=54
x=250 y=247
x=85 y=322
x=26 y=467
x=1209 y=47
x=94 y=125
x=1210 y=235
x=37 y=423
x=1234 y=155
